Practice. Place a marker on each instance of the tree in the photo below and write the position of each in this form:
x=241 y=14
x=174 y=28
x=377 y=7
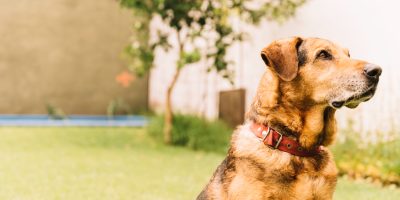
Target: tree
x=190 y=21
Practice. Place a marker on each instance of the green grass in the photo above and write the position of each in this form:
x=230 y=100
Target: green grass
x=114 y=163
x=355 y=190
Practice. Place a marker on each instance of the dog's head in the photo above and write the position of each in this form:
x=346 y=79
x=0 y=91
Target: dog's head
x=319 y=72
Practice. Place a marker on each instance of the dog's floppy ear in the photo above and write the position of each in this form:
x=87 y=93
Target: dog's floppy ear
x=281 y=55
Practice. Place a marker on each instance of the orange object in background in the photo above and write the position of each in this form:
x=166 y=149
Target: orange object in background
x=124 y=79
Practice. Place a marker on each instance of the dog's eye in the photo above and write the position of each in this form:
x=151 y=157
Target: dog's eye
x=324 y=55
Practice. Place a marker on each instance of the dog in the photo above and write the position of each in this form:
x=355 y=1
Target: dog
x=280 y=151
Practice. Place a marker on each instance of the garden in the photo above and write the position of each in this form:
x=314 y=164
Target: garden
x=123 y=163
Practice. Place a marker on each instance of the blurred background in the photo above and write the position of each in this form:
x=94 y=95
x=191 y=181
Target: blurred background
x=129 y=99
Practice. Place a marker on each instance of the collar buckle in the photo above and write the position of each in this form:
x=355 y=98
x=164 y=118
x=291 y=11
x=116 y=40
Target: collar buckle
x=279 y=140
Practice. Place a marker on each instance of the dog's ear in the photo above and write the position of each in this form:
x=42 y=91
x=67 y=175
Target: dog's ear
x=281 y=55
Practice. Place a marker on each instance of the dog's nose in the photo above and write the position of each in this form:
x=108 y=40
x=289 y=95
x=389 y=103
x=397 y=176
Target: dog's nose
x=372 y=71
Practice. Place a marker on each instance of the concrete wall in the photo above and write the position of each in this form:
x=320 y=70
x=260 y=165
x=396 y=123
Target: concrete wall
x=66 y=53
x=368 y=28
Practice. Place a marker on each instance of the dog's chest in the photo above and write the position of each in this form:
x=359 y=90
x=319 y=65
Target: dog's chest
x=258 y=172
x=311 y=187
x=303 y=187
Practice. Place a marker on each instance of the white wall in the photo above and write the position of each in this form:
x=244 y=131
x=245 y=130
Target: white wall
x=370 y=29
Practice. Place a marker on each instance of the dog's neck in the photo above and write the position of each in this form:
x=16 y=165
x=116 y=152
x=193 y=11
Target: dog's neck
x=311 y=124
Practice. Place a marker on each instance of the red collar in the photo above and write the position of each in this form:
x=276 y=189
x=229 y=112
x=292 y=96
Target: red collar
x=276 y=140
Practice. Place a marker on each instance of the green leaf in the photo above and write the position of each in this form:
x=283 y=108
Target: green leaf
x=192 y=57
x=208 y=20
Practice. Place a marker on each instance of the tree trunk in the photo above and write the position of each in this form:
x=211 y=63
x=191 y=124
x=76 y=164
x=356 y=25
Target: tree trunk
x=168 y=117
x=168 y=109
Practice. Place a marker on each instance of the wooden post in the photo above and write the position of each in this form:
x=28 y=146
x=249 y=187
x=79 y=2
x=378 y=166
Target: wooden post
x=232 y=106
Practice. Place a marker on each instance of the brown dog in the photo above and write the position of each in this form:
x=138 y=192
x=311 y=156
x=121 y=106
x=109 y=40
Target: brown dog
x=279 y=152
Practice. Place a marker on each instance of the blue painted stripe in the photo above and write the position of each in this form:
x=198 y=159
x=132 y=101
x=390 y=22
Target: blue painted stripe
x=74 y=120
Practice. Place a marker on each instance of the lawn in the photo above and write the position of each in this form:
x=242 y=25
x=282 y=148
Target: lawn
x=114 y=163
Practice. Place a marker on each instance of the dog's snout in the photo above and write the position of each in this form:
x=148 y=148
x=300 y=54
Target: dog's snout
x=372 y=71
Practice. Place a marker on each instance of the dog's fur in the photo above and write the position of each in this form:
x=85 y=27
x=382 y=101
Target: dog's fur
x=305 y=82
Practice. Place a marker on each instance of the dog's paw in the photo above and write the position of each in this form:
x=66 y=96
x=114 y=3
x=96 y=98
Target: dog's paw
x=307 y=142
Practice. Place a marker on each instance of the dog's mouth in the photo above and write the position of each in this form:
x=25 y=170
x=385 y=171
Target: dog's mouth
x=354 y=100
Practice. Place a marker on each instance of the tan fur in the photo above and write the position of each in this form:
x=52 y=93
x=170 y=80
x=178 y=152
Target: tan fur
x=295 y=97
